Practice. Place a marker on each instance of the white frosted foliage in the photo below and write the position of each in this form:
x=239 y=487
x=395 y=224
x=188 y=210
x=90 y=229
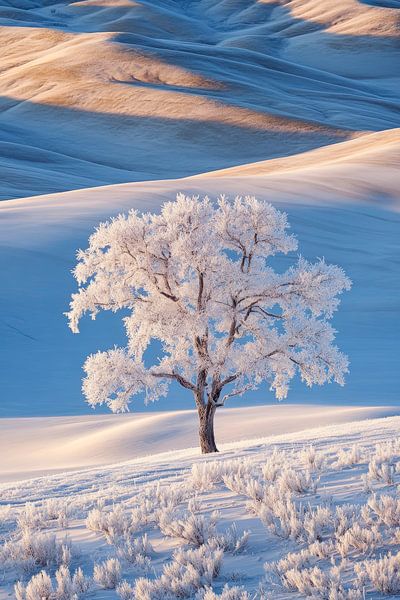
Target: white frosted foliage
x=197 y=277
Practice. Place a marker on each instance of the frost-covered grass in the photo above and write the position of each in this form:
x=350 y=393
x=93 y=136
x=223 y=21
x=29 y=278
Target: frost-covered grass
x=290 y=520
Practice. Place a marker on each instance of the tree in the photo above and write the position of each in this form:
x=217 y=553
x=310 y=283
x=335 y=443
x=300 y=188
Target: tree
x=196 y=277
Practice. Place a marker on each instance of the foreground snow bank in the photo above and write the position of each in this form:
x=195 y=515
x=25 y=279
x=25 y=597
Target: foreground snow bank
x=307 y=514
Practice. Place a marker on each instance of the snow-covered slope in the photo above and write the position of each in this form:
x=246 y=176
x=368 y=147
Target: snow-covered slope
x=106 y=91
x=326 y=494
x=31 y=447
x=350 y=167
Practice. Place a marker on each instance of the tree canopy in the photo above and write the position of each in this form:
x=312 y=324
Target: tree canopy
x=197 y=277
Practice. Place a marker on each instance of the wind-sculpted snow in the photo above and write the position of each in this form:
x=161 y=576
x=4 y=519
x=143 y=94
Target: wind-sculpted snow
x=107 y=91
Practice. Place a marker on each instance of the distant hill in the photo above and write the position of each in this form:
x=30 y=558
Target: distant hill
x=98 y=92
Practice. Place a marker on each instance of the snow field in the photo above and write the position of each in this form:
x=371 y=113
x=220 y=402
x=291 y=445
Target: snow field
x=313 y=515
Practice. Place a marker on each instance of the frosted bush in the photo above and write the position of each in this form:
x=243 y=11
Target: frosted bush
x=125 y=591
x=293 y=560
x=366 y=482
x=33 y=550
x=296 y=574
x=360 y=539
x=281 y=515
x=19 y=591
x=31 y=517
x=309 y=582
x=273 y=465
x=231 y=541
x=38 y=588
x=168 y=496
x=114 y=523
x=147 y=589
x=228 y=593
x=386 y=451
x=143 y=514
x=340 y=593
x=317 y=583
x=71 y=587
x=299 y=482
x=244 y=486
x=55 y=509
x=387 y=509
x=188 y=572
x=316 y=521
x=313 y=461
x=321 y=550
x=80 y=583
x=348 y=457
x=270 y=496
x=383 y=573
x=187 y=525
x=108 y=573
x=194 y=529
x=284 y=518
x=67 y=587
x=381 y=471
x=136 y=551
x=154 y=500
x=205 y=475
x=207 y=560
x=6 y=516
x=35 y=516
x=343 y=518
x=367 y=515
x=97 y=520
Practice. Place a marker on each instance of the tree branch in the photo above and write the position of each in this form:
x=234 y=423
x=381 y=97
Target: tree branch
x=184 y=382
x=237 y=392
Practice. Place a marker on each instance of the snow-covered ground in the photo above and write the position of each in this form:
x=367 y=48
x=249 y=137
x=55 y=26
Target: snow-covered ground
x=326 y=495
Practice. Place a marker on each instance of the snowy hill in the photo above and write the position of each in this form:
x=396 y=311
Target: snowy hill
x=98 y=92
x=79 y=442
x=320 y=519
x=344 y=209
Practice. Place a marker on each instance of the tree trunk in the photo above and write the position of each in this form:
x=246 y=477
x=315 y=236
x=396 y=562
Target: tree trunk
x=206 y=428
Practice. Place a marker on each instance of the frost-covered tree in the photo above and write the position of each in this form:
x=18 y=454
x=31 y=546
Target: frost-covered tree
x=196 y=277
